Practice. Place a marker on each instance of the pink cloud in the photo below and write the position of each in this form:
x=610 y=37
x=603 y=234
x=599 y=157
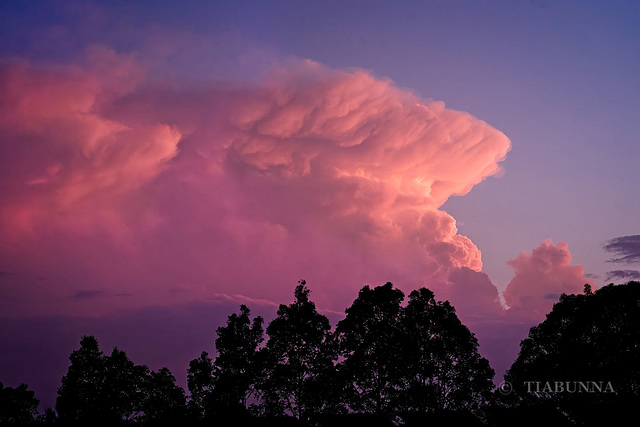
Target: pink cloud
x=66 y=162
x=540 y=277
x=120 y=186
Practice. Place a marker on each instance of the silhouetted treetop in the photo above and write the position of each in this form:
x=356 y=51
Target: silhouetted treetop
x=371 y=344
x=416 y=359
x=236 y=367
x=298 y=361
x=113 y=389
x=590 y=338
x=200 y=386
x=18 y=405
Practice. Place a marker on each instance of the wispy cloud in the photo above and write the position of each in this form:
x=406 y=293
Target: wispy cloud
x=623 y=275
x=626 y=249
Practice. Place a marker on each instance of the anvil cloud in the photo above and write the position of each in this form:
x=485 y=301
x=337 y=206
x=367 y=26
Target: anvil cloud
x=117 y=187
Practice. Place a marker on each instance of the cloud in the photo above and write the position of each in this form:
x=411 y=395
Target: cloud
x=540 y=277
x=623 y=275
x=65 y=162
x=473 y=295
x=144 y=187
x=625 y=248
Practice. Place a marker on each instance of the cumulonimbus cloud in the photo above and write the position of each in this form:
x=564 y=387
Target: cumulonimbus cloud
x=119 y=186
x=336 y=176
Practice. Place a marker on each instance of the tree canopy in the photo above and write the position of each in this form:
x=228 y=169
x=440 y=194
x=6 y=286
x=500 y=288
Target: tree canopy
x=413 y=360
x=410 y=361
x=18 y=405
x=297 y=359
x=584 y=358
x=113 y=389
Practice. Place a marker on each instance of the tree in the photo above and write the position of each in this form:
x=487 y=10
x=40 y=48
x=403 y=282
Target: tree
x=80 y=395
x=18 y=405
x=200 y=386
x=97 y=387
x=370 y=342
x=443 y=369
x=165 y=401
x=583 y=358
x=124 y=388
x=236 y=367
x=298 y=360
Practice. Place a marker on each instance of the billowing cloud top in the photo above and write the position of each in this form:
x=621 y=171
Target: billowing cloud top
x=335 y=176
x=541 y=276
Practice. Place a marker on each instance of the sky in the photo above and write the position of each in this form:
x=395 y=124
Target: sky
x=163 y=162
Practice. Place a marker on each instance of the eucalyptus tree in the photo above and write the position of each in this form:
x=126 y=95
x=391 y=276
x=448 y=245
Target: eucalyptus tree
x=165 y=401
x=18 y=405
x=98 y=387
x=584 y=358
x=444 y=370
x=236 y=368
x=298 y=360
x=371 y=342
x=200 y=386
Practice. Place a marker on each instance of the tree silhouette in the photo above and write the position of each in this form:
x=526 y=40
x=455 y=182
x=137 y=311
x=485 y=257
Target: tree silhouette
x=298 y=361
x=124 y=390
x=384 y=361
x=97 y=387
x=200 y=386
x=584 y=358
x=165 y=401
x=236 y=367
x=370 y=341
x=18 y=405
x=410 y=361
x=443 y=369
x=80 y=397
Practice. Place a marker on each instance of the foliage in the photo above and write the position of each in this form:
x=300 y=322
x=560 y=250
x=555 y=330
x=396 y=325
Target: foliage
x=113 y=389
x=297 y=359
x=237 y=368
x=416 y=359
x=165 y=401
x=443 y=369
x=17 y=405
x=80 y=397
x=200 y=386
x=387 y=361
x=585 y=339
x=370 y=342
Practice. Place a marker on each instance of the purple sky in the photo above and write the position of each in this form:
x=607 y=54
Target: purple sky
x=163 y=162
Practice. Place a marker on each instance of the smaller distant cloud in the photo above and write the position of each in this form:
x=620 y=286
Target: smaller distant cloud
x=626 y=249
x=623 y=275
x=541 y=276
x=86 y=294
x=591 y=276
